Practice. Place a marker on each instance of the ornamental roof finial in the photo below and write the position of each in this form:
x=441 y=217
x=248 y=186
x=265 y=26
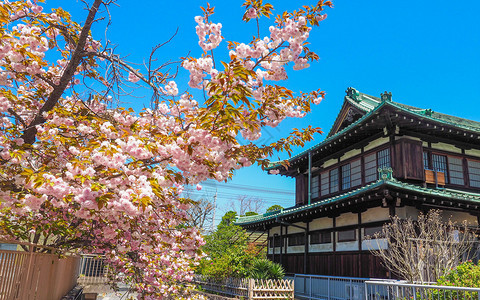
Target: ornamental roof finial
x=353 y=93
x=386 y=96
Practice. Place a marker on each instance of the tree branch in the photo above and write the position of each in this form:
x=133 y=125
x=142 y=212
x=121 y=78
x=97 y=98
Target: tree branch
x=31 y=131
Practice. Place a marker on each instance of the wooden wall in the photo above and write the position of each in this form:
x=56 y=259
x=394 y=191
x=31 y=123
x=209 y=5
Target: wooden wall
x=359 y=264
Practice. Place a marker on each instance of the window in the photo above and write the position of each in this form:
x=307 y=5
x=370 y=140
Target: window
x=346 y=176
x=426 y=161
x=356 y=172
x=296 y=239
x=278 y=241
x=347 y=235
x=324 y=184
x=439 y=164
x=371 y=231
x=320 y=237
x=474 y=173
x=334 y=180
x=455 y=168
x=314 y=186
x=370 y=167
x=451 y=166
x=383 y=158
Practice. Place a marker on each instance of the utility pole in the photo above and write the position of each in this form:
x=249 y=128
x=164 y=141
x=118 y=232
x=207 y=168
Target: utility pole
x=214 y=209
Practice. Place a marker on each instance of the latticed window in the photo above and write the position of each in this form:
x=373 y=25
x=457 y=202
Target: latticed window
x=370 y=167
x=372 y=231
x=346 y=176
x=278 y=241
x=455 y=169
x=356 y=172
x=334 y=180
x=315 y=186
x=320 y=237
x=439 y=164
x=474 y=173
x=426 y=161
x=383 y=157
x=324 y=183
x=296 y=239
x=347 y=235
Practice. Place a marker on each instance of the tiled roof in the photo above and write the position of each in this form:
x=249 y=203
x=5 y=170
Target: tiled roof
x=370 y=104
x=388 y=182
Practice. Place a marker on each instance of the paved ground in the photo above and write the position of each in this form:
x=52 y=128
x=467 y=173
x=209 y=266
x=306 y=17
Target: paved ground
x=106 y=293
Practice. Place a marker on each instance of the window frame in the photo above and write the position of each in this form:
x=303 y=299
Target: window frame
x=343 y=169
x=380 y=227
x=296 y=239
x=315 y=192
x=322 y=234
x=470 y=174
x=448 y=176
x=343 y=240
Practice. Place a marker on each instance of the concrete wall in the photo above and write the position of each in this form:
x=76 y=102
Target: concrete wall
x=375 y=214
x=446 y=147
x=376 y=143
x=321 y=223
x=346 y=219
x=350 y=154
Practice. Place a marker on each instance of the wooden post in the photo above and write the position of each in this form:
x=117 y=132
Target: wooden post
x=251 y=286
x=27 y=280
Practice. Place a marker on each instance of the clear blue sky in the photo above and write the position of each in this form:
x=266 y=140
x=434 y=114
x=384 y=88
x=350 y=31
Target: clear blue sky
x=427 y=53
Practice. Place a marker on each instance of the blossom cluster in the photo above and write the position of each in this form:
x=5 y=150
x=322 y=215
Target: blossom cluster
x=209 y=34
x=107 y=180
x=267 y=58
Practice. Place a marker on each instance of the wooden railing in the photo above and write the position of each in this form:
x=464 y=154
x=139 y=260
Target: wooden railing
x=248 y=288
x=30 y=275
x=435 y=177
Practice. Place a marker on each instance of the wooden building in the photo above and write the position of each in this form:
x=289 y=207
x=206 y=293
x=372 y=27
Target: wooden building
x=381 y=158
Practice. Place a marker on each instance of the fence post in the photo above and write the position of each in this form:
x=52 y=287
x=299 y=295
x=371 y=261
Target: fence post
x=328 y=287
x=251 y=286
x=311 y=285
x=366 y=290
x=27 y=280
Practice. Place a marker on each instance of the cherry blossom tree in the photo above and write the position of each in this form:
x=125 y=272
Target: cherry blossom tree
x=78 y=172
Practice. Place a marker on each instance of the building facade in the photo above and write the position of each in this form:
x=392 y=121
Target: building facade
x=381 y=158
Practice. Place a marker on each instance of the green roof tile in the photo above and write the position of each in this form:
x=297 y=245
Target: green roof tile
x=370 y=104
x=389 y=182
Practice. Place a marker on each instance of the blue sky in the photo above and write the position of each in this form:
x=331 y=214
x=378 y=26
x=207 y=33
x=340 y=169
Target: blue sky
x=427 y=53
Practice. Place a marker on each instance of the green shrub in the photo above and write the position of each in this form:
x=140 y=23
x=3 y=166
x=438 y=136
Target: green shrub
x=466 y=274
x=266 y=269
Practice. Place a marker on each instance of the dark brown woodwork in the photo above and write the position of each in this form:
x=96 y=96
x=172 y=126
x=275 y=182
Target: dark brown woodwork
x=349 y=264
x=281 y=244
x=307 y=245
x=408 y=160
x=300 y=189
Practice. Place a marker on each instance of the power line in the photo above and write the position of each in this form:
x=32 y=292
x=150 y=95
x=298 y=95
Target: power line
x=248 y=188
x=234 y=196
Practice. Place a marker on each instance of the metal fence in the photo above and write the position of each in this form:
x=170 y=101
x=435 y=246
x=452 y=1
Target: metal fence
x=93 y=270
x=329 y=287
x=318 y=287
x=384 y=290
